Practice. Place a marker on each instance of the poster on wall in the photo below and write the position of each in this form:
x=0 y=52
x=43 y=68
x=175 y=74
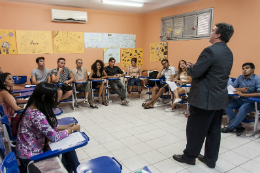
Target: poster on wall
x=158 y=51
x=34 y=42
x=7 y=42
x=128 y=54
x=110 y=52
x=68 y=42
x=111 y=40
x=127 y=40
x=93 y=40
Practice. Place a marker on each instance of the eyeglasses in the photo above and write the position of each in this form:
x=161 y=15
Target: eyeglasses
x=80 y=62
x=163 y=63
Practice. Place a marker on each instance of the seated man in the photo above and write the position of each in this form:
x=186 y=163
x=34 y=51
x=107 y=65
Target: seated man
x=40 y=74
x=115 y=72
x=247 y=85
x=62 y=75
x=169 y=72
x=81 y=75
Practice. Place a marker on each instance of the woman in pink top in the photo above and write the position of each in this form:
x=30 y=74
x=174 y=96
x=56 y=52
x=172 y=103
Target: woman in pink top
x=38 y=125
x=7 y=101
x=134 y=71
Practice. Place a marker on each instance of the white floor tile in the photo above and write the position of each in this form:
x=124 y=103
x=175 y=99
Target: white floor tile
x=131 y=140
x=168 y=166
x=201 y=167
x=121 y=134
x=145 y=136
x=123 y=153
x=247 y=152
x=234 y=158
x=224 y=165
x=141 y=148
x=105 y=138
x=114 y=145
x=238 y=170
x=95 y=150
x=153 y=156
x=251 y=166
x=135 y=163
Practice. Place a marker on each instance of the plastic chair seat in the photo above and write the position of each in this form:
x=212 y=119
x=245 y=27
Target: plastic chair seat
x=10 y=163
x=67 y=121
x=102 y=164
x=57 y=111
x=20 y=79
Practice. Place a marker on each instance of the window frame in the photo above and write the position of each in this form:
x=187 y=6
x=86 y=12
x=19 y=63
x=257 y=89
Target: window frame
x=195 y=36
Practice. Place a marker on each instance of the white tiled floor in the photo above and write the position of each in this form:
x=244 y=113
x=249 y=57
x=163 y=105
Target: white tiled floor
x=137 y=137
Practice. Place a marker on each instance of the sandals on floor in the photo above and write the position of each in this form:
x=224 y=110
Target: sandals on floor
x=105 y=103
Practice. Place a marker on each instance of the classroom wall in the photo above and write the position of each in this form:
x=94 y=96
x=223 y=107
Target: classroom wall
x=242 y=14
x=21 y=16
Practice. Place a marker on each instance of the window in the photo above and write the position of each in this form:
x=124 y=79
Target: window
x=188 y=26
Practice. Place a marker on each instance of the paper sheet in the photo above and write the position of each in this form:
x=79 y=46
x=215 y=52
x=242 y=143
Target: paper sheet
x=172 y=85
x=7 y=42
x=68 y=42
x=34 y=42
x=231 y=89
x=71 y=140
x=158 y=51
x=93 y=40
x=128 y=54
x=109 y=52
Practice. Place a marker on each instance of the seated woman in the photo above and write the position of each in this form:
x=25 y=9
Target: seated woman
x=134 y=71
x=182 y=78
x=38 y=125
x=98 y=73
x=7 y=101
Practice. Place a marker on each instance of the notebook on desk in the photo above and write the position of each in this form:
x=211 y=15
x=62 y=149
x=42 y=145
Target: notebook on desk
x=67 y=142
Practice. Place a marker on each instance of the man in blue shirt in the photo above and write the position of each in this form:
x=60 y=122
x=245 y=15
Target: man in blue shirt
x=247 y=85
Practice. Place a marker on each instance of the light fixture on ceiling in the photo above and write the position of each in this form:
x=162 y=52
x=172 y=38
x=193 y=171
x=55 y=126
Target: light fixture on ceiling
x=123 y=2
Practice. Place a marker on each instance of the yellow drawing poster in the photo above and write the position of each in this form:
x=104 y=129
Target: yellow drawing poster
x=34 y=42
x=7 y=42
x=158 y=51
x=68 y=42
x=128 y=54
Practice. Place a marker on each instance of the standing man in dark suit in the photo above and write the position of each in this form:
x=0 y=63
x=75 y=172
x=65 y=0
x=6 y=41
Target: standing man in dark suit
x=208 y=97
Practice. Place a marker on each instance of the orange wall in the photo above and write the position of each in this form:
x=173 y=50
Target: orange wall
x=20 y=16
x=242 y=14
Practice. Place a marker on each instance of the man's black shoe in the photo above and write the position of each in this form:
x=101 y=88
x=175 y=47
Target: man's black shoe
x=226 y=130
x=179 y=158
x=240 y=130
x=201 y=158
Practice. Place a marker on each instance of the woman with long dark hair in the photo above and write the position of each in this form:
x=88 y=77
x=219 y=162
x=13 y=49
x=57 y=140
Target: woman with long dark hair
x=38 y=124
x=7 y=101
x=181 y=79
x=98 y=73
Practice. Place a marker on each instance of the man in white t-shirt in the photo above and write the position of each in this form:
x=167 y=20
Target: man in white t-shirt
x=40 y=74
x=169 y=73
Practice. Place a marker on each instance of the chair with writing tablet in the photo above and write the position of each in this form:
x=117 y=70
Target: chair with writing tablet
x=97 y=89
x=103 y=164
x=70 y=99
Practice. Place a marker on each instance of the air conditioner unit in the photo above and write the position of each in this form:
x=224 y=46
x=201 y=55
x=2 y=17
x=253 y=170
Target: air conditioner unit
x=68 y=16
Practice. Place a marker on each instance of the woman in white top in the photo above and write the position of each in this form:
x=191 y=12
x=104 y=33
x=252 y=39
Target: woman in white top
x=181 y=79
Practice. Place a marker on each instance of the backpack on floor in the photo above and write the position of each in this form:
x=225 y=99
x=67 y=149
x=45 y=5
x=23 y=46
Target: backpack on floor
x=153 y=75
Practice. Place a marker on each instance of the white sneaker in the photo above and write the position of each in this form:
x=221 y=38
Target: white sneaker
x=177 y=100
x=86 y=101
x=123 y=102
x=169 y=110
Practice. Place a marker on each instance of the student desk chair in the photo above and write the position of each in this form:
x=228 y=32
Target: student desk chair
x=19 y=80
x=96 y=89
x=102 y=164
x=127 y=84
x=70 y=99
x=78 y=91
x=108 y=87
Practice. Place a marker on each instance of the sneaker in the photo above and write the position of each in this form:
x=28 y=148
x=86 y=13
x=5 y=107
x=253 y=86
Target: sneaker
x=239 y=131
x=93 y=107
x=177 y=100
x=123 y=102
x=86 y=101
x=169 y=110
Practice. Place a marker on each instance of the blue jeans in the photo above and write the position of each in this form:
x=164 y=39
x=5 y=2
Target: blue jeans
x=244 y=106
x=134 y=81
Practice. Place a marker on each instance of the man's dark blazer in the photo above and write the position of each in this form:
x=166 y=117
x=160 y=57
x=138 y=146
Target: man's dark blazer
x=210 y=75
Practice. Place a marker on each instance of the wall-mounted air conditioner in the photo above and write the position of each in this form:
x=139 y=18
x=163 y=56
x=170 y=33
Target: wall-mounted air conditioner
x=68 y=16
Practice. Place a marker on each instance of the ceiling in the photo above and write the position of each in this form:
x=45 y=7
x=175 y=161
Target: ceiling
x=149 y=5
